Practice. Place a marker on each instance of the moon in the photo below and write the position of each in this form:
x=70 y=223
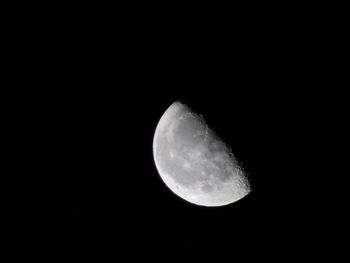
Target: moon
x=194 y=162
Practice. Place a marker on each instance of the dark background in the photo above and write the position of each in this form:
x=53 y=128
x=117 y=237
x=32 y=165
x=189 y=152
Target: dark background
x=94 y=89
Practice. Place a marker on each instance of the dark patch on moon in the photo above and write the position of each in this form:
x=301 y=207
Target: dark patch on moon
x=207 y=188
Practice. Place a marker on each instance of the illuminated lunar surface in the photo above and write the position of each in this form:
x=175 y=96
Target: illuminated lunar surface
x=194 y=162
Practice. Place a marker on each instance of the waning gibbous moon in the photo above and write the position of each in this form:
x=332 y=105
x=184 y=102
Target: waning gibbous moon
x=194 y=162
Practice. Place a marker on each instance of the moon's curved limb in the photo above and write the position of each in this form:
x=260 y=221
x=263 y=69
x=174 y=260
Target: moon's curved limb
x=193 y=162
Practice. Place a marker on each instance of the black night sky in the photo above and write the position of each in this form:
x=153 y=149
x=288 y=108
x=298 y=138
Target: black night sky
x=97 y=95
x=100 y=181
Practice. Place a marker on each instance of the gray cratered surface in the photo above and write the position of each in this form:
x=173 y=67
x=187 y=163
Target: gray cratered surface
x=193 y=162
